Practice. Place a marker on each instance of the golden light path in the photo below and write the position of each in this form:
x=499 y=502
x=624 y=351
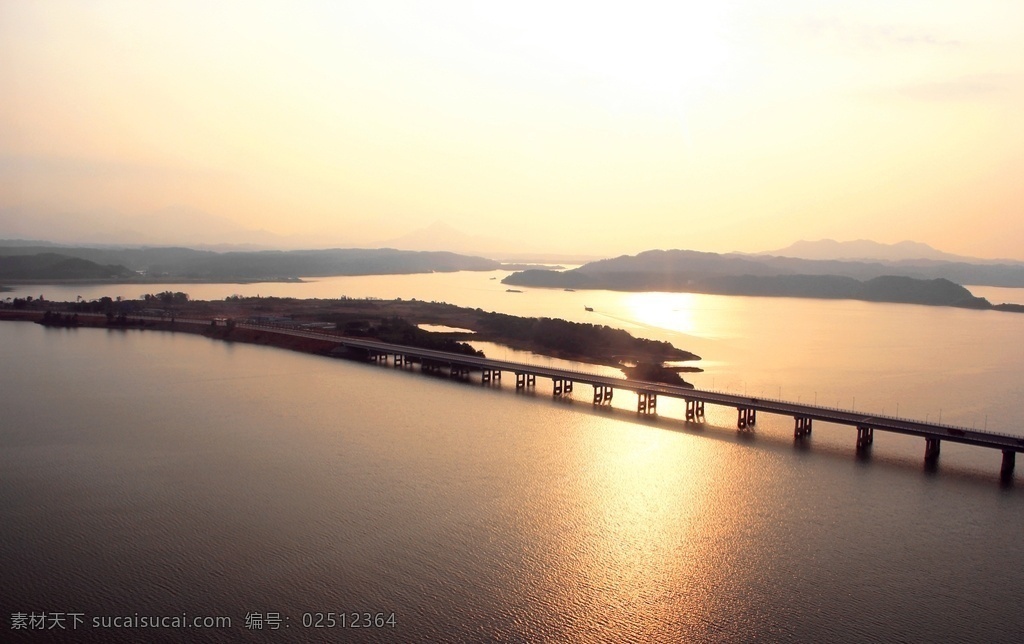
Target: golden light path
x=653 y=532
x=671 y=311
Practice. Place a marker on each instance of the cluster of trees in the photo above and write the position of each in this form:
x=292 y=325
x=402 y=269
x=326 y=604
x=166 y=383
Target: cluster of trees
x=167 y=298
x=548 y=334
x=652 y=372
x=20 y=302
x=103 y=305
x=51 y=318
x=399 y=331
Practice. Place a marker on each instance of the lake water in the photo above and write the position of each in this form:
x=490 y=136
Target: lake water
x=167 y=474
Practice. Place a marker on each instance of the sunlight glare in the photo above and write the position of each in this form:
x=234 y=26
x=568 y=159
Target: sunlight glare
x=670 y=311
x=662 y=50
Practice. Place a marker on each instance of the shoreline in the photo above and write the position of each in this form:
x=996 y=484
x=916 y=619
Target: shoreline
x=8 y=282
x=907 y=290
x=395 y=322
x=250 y=336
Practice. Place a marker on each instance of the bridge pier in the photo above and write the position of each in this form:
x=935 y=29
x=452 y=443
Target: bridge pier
x=803 y=427
x=561 y=386
x=694 y=410
x=746 y=417
x=1006 y=471
x=646 y=403
x=426 y=366
x=524 y=380
x=459 y=371
x=865 y=437
x=431 y=362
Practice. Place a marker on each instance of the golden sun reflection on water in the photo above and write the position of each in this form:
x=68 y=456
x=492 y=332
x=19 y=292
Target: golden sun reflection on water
x=672 y=311
x=655 y=537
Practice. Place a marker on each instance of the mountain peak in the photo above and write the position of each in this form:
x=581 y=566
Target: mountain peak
x=864 y=249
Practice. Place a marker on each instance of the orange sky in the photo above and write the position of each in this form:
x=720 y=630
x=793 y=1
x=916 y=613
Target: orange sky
x=581 y=127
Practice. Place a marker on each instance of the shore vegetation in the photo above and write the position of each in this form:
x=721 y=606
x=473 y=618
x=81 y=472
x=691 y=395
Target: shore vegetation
x=392 y=321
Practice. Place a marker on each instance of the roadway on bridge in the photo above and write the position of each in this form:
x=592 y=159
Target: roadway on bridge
x=828 y=414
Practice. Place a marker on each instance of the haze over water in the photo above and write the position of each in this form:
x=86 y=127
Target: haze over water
x=161 y=474
x=165 y=473
x=966 y=365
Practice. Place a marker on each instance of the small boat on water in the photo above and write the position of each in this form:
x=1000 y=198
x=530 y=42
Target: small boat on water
x=569 y=290
x=588 y=308
x=512 y=290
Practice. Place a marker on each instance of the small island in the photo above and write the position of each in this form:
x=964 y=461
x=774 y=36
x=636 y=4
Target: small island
x=393 y=321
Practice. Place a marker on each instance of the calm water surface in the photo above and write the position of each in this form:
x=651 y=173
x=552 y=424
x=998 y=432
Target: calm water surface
x=161 y=474
x=962 y=366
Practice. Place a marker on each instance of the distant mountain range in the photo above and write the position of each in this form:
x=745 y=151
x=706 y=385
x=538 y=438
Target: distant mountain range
x=441 y=236
x=28 y=262
x=867 y=250
x=183 y=226
x=691 y=271
x=688 y=263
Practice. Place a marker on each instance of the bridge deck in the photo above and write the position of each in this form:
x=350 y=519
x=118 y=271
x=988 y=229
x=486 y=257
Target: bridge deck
x=1007 y=443
x=954 y=433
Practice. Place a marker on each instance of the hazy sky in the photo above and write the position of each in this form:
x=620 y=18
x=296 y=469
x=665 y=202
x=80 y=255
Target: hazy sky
x=586 y=126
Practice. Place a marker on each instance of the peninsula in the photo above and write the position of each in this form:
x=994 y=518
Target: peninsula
x=393 y=321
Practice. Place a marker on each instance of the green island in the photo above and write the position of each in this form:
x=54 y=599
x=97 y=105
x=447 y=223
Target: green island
x=393 y=321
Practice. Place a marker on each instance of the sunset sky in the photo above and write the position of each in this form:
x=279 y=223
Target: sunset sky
x=584 y=127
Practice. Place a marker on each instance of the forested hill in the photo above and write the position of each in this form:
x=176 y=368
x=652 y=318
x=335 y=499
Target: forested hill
x=687 y=261
x=191 y=264
x=57 y=266
x=687 y=271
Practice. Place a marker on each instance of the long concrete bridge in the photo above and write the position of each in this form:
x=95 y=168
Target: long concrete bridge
x=647 y=393
x=604 y=387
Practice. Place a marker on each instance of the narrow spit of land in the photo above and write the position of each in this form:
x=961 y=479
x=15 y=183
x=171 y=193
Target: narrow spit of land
x=393 y=321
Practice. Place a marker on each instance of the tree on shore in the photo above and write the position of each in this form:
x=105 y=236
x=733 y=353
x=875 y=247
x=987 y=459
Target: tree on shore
x=167 y=297
x=52 y=318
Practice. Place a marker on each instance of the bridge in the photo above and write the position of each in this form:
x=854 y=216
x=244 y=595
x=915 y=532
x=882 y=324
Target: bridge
x=647 y=393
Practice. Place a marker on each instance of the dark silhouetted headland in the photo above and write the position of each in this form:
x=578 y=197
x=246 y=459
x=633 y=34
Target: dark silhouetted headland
x=695 y=272
x=391 y=321
x=58 y=266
